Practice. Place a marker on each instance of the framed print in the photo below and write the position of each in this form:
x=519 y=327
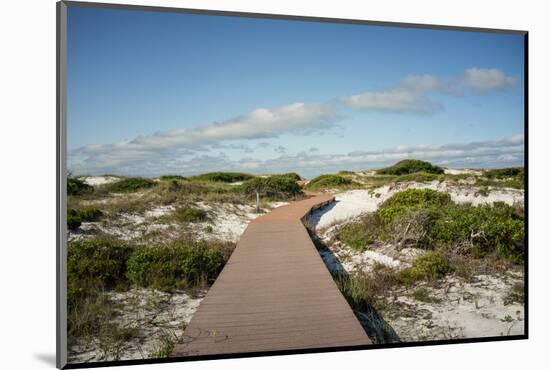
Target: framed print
x=234 y=184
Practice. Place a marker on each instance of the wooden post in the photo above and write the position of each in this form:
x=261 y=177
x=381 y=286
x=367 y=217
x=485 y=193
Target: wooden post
x=257 y=202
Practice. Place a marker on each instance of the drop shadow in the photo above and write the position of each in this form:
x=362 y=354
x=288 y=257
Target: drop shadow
x=378 y=329
x=46 y=358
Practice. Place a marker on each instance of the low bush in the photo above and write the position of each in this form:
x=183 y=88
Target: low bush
x=363 y=289
x=98 y=263
x=292 y=175
x=409 y=166
x=77 y=187
x=429 y=219
x=223 y=176
x=410 y=200
x=367 y=293
x=484 y=191
x=429 y=266
x=359 y=235
x=276 y=187
x=129 y=185
x=330 y=182
x=413 y=228
x=486 y=228
x=178 y=265
x=171 y=177
x=420 y=177
x=90 y=214
x=75 y=217
x=502 y=173
x=356 y=289
x=513 y=177
x=189 y=214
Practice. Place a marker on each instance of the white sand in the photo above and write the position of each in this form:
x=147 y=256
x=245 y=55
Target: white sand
x=152 y=313
x=465 y=310
x=228 y=221
x=354 y=203
x=348 y=205
x=462 y=171
x=99 y=180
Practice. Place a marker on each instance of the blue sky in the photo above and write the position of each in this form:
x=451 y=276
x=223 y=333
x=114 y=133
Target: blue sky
x=151 y=93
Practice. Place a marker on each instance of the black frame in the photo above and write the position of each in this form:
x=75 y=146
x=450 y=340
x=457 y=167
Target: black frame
x=61 y=251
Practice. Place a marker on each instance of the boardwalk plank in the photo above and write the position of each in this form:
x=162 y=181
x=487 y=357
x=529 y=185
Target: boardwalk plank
x=274 y=293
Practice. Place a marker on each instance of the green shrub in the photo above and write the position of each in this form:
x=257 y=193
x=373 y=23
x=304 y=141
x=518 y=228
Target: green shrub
x=413 y=228
x=330 y=182
x=276 y=186
x=90 y=214
x=495 y=227
x=356 y=289
x=513 y=183
x=178 y=265
x=77 y=187
x=419 y=177
x=362 y=289
x=223 y=176
x=408 y=166
x=73 y=219
x=410 y=200
x=202 y=264
x=189 y=214
x=359 y=235
x=97 y=262
x=171 y=177
x=292 y=175
x=425 y=218
x=429 y=266
x=129 y=185
x=484 y=191
x=502 y=173
x=158 y=267
x=513 y=177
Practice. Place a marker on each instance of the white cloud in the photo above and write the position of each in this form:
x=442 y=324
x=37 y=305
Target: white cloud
x=487 y=79
x=175 y=150
x=495 y=153
x=399 y=100
x=422 y=83
x=179 y=144
x=280 y=149
x=409 y=96
x=260 y=123
x=414 y=93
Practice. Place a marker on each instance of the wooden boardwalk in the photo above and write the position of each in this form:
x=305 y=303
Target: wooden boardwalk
x=274 y=294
